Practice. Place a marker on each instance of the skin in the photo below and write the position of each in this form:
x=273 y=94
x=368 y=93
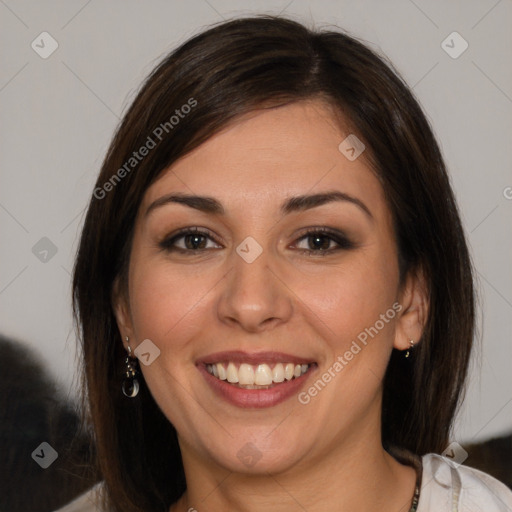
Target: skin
x=319 y=456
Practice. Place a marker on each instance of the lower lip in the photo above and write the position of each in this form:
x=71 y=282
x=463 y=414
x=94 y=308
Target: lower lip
x=255 y=398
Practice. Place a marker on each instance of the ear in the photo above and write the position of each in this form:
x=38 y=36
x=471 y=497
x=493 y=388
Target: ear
x=121 y=307
x=414 y=300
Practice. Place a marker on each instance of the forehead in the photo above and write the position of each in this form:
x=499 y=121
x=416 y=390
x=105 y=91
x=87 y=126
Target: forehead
x=270 y=154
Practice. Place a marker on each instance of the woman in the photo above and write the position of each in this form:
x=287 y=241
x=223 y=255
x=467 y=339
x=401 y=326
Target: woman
x=274 y=237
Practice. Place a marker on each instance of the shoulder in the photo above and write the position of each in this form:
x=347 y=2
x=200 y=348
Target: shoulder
x=449 y=486
x=87 y=502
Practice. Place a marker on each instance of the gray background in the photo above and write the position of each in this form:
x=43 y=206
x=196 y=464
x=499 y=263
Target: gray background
x=58 y=115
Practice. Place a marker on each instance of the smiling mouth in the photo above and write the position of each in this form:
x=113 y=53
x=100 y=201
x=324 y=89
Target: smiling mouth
x=256 y=376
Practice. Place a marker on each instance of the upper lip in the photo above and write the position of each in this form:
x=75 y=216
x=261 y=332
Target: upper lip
x=238 y=356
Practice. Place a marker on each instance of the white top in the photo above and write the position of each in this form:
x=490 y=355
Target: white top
x=445 y=487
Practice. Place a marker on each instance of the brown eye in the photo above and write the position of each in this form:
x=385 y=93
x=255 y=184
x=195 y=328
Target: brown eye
x=194 y=242
x=189 y=240
x=323 y=241
x=320 y=242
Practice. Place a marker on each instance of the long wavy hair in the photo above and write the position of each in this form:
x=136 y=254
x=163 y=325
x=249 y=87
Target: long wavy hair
x=224 y=72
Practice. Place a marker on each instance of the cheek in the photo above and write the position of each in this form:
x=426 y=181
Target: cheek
x=344 y=300
x=165 y=302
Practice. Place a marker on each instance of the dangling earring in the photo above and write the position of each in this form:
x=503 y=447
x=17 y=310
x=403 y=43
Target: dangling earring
x=407 y=354
x=130 y=384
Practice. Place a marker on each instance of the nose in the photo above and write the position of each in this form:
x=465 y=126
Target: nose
x=254 y=297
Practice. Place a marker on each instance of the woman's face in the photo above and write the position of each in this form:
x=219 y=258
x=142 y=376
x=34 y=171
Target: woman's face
x=225 y=279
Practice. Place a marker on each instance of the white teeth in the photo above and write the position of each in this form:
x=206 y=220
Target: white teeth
x=232 y=373
x=253 y=376
x=263 y=375
x=246 y=374
x=221 y=371
x=278 y=373
x=288 y=371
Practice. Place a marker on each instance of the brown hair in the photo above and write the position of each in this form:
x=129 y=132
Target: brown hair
x=229 y=70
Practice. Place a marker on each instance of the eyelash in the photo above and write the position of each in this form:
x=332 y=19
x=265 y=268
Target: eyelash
x=168 y=244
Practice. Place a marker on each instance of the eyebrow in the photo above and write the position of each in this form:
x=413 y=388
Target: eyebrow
x=290 y=205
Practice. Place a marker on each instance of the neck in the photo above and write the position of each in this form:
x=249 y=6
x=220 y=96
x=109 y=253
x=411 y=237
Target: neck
x=355 y=474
